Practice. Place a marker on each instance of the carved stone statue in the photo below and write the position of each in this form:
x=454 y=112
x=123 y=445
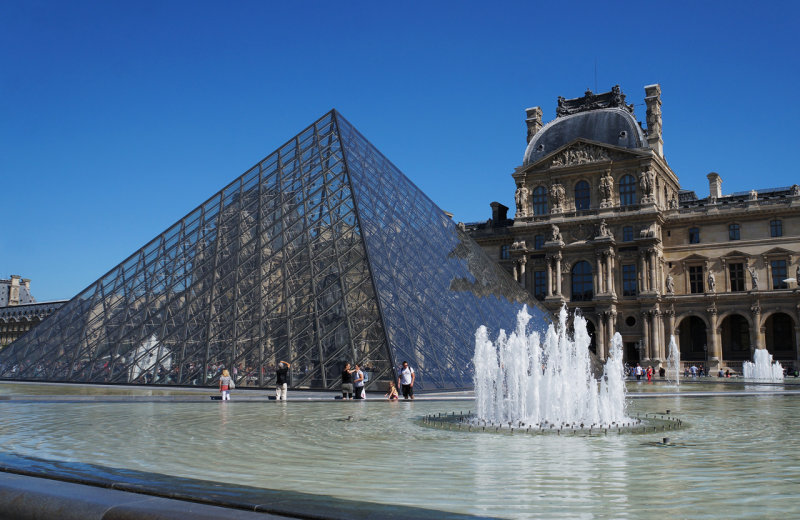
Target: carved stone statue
x=521 y=199
x=796 y=190
x=606 y=189
x=604 y=231
x=581 y=153
x=670 y=284
x=753 y=277
x=647 y=185
x=753 y=195
x=555 y=234
x=797 y=275
x=673 y=203
x=558 y=194
x=712 y=283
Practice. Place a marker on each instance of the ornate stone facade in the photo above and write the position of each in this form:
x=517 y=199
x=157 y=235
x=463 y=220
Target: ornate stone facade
x=613 y=233
x=19 y=310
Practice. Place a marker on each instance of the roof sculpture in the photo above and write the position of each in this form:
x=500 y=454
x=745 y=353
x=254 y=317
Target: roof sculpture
x=322 y=253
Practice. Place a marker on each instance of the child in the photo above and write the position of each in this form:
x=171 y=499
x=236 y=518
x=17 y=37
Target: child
x=225 y=383
x=392 y=395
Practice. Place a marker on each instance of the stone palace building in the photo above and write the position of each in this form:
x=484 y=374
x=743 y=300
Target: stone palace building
x=602 y=224
x=19 y=310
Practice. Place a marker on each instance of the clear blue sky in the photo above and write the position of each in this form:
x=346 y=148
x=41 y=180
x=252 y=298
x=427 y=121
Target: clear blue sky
x=118 y=118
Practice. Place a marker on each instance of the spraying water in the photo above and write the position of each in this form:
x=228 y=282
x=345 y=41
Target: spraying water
x=674 y=362
x=521 y=378
x=762 y=368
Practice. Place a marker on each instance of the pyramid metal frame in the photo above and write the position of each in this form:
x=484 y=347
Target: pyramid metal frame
x=322 y=253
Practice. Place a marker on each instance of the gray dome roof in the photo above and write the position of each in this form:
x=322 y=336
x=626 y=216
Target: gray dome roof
x=614 y=126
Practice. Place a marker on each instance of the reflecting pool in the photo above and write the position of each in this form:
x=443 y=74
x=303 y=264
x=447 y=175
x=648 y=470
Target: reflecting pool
x=739 y=456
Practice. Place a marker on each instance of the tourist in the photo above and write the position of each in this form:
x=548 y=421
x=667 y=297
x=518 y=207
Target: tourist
x=392 y=393
x=693 y=370
x=720 y=373
x=702 y=370
x=406 y=381
x=662 y=372
x=281 y=380
x=638 y=371
x=728 y=372
x=347 y=382
x=358 y=383
x=649 y=373
x=225 y=385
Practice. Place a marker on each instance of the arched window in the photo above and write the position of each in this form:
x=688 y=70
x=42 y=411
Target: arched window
x=582 y=196
x=627 y=191
x=582 y=285
x=540 y=201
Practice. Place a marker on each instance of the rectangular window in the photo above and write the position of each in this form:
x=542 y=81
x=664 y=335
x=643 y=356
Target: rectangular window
x=736 y=272
x=627 y=233
x=694 y=236
x=539 y=284
x=538 y=241
x=778 y=274
x=733 y=232
x=629 y=280
x=696 y=284
x=776 y=228
x=504 y=252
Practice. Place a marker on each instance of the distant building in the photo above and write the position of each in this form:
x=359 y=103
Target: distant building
x=19 y=311
x=603 y=225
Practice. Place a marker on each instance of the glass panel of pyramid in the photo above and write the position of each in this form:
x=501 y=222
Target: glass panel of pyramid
x=323 y=253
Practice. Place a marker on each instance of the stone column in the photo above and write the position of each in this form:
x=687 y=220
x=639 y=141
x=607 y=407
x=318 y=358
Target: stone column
x=549 y=263
x=598 y=282
x=600 y=337
x=643 y=270
x=558 y=274
x=655 y=336
x=522 y=261
x=515 y=271
x=646 y=335
x=715 y=349
x=653 y=279
x=755 y=336
x=609 y=272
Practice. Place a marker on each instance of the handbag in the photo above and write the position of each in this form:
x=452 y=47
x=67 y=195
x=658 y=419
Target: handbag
x=232 y=385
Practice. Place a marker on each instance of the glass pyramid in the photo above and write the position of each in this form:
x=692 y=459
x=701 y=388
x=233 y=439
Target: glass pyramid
x=322 y=253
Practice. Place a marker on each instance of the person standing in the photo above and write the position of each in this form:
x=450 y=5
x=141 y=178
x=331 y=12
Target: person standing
x=649 y=373
x=358 y=383
x=406 y=381
x=281 y=380
x=347 y=382
x=225 y=384
x=638 y=372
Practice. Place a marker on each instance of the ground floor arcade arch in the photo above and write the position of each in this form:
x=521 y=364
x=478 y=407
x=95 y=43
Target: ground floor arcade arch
x=693 y=336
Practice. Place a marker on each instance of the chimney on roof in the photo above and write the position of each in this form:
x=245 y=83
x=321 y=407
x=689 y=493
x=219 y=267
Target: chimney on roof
x=13 y=290
x=533 y=118
x=652 y=99
x=714 y=185
x=499 y=214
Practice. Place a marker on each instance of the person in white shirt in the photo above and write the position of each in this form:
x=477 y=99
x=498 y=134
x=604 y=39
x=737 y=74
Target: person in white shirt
x=406 y=381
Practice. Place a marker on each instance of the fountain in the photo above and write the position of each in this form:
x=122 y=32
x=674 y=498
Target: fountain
x=762 y=368
x=547 y=384
x=674 y=362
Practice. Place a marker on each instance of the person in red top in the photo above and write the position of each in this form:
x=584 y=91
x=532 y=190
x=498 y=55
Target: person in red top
x=649 y=373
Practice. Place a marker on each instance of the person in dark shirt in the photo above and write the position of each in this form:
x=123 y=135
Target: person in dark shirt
x=347 y=382
x=281 y=379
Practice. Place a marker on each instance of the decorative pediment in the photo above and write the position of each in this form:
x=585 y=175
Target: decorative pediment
x=583 y=151
x=778 y=251
x=695 y=258
x=735 y=254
